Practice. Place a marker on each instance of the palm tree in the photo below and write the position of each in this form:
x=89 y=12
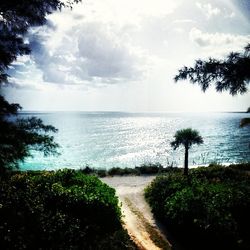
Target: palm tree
x=186 y=137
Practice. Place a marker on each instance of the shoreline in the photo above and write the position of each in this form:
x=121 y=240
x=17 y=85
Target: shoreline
x=156 y=168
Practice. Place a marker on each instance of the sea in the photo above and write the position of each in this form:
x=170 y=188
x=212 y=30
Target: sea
x=104 y=140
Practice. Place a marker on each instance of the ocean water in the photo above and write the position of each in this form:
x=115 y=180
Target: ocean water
x=113 y=139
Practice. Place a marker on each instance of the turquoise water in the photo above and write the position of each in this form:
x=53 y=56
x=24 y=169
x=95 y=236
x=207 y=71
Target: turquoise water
x=113 y=139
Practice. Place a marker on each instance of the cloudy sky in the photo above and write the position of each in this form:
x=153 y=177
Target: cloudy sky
x=122 y=55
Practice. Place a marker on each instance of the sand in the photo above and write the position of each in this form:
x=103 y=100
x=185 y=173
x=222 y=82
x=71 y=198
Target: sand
x=137 y=216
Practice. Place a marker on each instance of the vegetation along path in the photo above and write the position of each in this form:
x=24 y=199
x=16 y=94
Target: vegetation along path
x=137 y=217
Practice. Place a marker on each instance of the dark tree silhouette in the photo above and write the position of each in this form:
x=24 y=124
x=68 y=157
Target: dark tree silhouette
x=245 y=122
x=231 y=74
x=19 y=136
x=186 y=137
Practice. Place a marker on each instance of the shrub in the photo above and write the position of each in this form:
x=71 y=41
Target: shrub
x=122 y=171
x=150 y=168
x=144 y=169
x=242 y=166
x=213 y=204
x=101 y=172
x=162 y=187
x=221 y=173
x=59 y=210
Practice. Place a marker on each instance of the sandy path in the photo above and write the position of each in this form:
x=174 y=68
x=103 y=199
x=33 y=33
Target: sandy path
x=138 y=218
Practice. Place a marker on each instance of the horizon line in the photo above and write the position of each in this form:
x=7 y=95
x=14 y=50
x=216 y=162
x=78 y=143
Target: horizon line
x=119 y=111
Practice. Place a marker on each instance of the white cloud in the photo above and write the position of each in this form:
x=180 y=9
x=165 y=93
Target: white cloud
x=90 y=52
x=17 y=84
x=208 y=10
x=129 y=11
x=230 y=15
x=102 y=54
x=218 y=41
x=184 y=21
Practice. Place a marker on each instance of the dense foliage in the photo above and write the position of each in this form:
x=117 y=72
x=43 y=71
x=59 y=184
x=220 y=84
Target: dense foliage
x=19 y=136
x=231 y=74
x=59 y=210
x=207 y=210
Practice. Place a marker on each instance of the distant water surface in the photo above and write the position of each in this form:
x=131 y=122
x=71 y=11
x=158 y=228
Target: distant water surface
x=114 y=139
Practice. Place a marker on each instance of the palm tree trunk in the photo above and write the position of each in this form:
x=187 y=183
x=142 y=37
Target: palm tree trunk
x=186 y=161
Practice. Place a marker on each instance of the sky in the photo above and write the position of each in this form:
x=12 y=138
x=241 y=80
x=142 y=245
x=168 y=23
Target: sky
x=117 y=55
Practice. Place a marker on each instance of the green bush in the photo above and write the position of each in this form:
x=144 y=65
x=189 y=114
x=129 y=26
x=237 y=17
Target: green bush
x=221 y=173
x=212 y=204
x=59 y=210
x=242 y=166
x=122 y=171
x=162 y=187
x=144 y=169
